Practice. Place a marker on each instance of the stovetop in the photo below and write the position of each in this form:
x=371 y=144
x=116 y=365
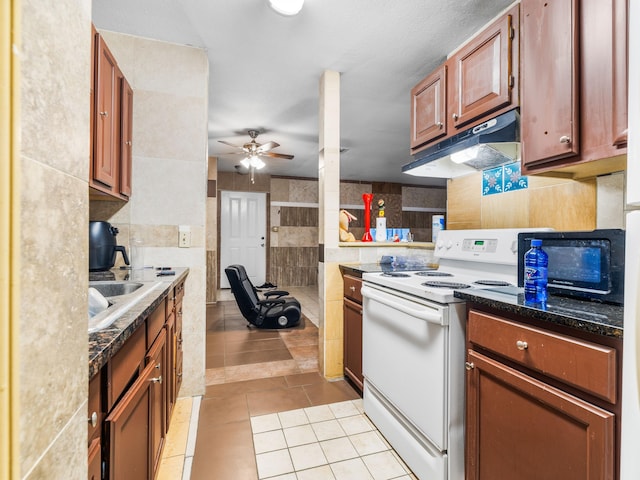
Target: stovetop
x=468 y=259
x=437 y=285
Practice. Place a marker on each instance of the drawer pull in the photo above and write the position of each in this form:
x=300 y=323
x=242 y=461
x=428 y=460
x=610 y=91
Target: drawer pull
x=521 y=345
x=352 y=288
x=156 y=379
x=469 y=365
x=565 y=139
x=93 y=419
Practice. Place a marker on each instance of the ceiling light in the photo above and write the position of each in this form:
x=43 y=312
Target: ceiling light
x=256 y=163
x=286 y=7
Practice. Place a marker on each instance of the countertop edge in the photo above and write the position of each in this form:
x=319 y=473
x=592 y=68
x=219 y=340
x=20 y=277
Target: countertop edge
x=607 y=319
x=110 y=340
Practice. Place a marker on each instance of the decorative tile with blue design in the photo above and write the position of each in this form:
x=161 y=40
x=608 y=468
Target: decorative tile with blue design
x=492 y=181
x=513 y=179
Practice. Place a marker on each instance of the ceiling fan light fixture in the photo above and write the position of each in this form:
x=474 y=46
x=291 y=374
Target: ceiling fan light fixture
x=245 y=163
x=286 y=7
x=257 y=163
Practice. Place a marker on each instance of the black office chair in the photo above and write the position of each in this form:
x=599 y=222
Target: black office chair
x=276 y=310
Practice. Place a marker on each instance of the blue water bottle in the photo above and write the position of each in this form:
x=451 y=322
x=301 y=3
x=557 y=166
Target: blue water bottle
x=535 y=273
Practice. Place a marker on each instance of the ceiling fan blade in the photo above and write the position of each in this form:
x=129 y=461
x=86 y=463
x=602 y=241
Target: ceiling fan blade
x=230 y=144
x=267 y=146
x=277 y=155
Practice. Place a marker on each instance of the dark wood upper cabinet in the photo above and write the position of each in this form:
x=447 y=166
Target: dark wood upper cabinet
x=574 y=83
x=620 y=71
x=483 y=74
x=550 y=76
x=429 y=108
x=478 y=82
x=111 y=125
x=105 y=158
x=126 y=136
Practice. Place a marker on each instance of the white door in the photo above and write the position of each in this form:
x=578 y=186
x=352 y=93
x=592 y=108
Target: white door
x=243 y=230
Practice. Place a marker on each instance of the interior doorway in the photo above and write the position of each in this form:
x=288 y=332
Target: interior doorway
x=243 y=234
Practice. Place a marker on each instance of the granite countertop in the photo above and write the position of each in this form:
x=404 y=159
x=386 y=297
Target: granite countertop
x=105 y=343
x=598 y=318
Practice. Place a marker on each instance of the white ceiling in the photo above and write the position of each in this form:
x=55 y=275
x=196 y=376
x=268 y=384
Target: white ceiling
x=265 y=70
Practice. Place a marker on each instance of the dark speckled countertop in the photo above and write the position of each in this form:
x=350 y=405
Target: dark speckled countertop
x=593 y=317
x=104 y=344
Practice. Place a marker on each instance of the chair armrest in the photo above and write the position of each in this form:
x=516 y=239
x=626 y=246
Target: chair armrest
x=277 y=293
x=270 y=302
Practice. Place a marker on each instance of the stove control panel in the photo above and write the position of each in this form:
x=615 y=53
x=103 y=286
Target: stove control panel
x=489 y=245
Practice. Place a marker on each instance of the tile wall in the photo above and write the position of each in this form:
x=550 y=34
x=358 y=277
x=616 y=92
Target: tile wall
x=169 y=174
x=554 y=202
x=52 y=382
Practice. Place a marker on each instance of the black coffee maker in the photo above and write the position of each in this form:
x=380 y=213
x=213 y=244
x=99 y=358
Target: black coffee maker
x=103 y=247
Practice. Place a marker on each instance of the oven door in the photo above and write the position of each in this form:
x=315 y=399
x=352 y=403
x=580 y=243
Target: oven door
x=404 y=343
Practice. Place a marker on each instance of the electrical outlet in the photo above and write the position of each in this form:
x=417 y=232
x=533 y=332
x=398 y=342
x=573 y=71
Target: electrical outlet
x=184 y=239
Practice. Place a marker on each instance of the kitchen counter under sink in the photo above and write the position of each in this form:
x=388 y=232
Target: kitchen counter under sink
x=105 y=343
x=593 y=317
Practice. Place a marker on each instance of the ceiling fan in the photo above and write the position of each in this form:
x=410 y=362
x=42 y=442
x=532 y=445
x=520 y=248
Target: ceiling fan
x=253 y=151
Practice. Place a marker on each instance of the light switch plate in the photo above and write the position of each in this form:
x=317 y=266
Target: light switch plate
x=184 y=237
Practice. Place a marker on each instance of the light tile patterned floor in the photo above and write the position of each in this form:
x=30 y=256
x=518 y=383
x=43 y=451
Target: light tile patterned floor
x=326 y=442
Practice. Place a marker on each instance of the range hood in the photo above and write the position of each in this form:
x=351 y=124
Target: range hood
x=490 y=144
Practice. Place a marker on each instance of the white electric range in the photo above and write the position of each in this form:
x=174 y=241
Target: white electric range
x=414 y=347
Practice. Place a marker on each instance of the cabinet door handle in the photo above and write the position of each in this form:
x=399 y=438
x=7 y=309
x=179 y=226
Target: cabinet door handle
x=104 y=114
x=352 y=288
x=522 y=345
x=156 y=379
x=469 y=365
x=565 y=139
x=440 y=125
x=93 y=419
x=128 y=142
x=455 y=116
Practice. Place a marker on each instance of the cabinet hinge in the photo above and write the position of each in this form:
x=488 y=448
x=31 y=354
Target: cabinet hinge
x=512 y=81
x=512 y=33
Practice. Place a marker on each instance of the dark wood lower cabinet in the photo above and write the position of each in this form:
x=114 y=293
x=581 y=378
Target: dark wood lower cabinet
x=353 y=342
x=132 y=397
x=128 y=429
x=95 y=460
x=541 y=403
x=158 y=399
x=519 y=427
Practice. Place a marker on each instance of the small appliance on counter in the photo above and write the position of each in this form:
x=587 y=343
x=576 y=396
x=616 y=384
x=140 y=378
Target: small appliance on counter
x=103 y=247
x=585 y=265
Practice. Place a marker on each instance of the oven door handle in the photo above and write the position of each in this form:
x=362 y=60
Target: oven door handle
x=386 y=299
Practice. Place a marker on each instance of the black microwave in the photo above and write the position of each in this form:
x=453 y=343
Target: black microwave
x=584 y=265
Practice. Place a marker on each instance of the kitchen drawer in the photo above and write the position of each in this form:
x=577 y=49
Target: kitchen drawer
x=585 y=365
x=155 y=322
x=124 y=366
x=93 y=408
x=352 y=286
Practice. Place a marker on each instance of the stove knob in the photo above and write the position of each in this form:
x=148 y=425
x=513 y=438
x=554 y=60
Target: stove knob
x=449 y=244
x=440 y=245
